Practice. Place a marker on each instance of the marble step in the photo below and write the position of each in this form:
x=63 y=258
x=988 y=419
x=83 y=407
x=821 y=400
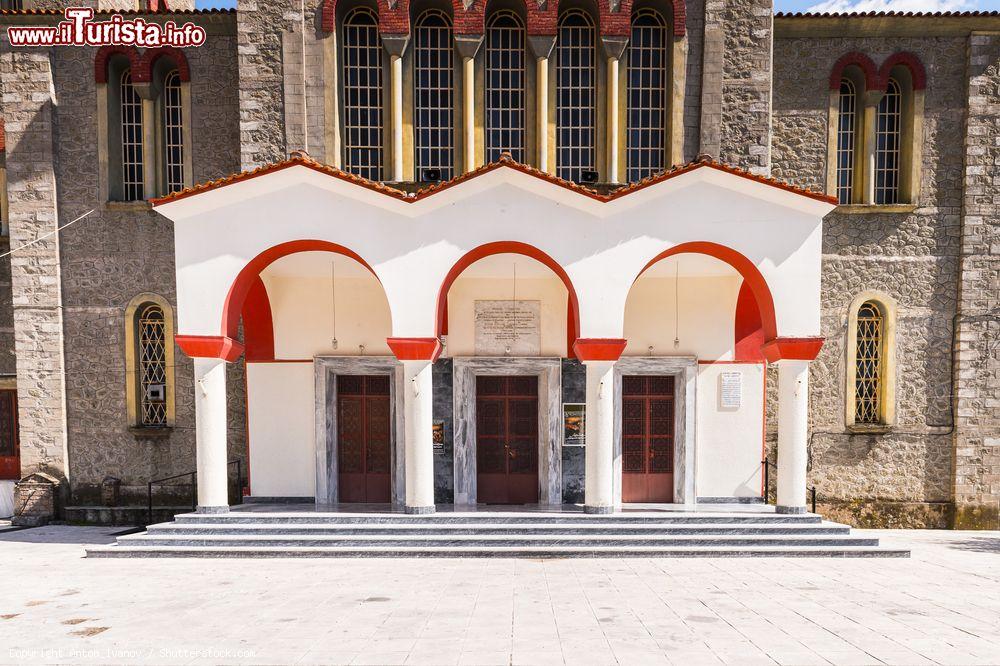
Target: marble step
x=459 y=541
x=495 y=551
x=237 y=517
x=310 y=529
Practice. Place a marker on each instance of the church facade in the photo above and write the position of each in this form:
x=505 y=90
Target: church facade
x=420 y=254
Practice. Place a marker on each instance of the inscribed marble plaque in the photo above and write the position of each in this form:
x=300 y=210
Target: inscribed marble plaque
x=508 y=328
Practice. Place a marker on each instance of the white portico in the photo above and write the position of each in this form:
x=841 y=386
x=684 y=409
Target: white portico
x=673 y=294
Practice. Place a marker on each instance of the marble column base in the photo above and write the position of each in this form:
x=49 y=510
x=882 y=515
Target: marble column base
x=598 y=509
x=789 y=509
x=419 y=510
x=212 y=509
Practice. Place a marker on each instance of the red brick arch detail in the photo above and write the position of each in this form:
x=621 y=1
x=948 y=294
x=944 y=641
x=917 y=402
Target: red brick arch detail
x=618 y=23
x=144 y=72
x=908 y=60
x=104 y=55
x=860 y=60
x=391 y=20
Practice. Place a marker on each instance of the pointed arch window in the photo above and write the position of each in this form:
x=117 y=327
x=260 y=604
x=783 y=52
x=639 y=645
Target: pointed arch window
x=362 y=91
x=576 y=95
x=847 y=130
x=130 y=109
x=149 y=360
x=888 y=140
x=434 y=90
x=647 y=95
x=505 y=86
x=871 y=362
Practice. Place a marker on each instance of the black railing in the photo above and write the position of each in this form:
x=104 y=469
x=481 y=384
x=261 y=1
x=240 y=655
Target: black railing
x=194 y=487
x=766 y=465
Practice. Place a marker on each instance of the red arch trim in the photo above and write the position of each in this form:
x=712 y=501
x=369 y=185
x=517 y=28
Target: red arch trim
x=104 y=55
x=258 y=324
x=908 y=60
x=150 y=56
x=861 y=61
x=508 y=247
x=245 y=281
x=752 y=277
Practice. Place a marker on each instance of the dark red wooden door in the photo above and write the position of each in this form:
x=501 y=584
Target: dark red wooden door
x=10 y=449
x=647 y=439
x=507 y=439
x=363 y=438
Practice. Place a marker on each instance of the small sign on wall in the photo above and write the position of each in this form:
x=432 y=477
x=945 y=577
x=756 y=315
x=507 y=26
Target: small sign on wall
x=731 y=393
x=574 y=423
x=437 y=437
x=508 y=328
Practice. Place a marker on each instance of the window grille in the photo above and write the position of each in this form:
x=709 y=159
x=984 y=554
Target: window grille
x=362 y=55
x=575 y=95
x=173 y=132
x=133 y=188
x=888 y=125
x=868 y=365
x=505 y=96
x=152 y=366
x=647 y=95
x=434 y=73
x=846 y=132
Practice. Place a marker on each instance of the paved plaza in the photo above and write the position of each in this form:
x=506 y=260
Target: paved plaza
x=941 y=606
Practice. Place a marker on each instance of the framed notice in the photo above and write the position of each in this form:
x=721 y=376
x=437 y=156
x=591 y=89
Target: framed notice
x=731 y=393
x=574 y=423
x=437 y=437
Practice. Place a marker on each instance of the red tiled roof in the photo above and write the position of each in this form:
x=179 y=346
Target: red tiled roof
x=970 y=14
x=505 y=161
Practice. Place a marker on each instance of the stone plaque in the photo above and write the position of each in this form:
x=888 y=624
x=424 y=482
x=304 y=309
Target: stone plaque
x=732 y=390
x=508 y=325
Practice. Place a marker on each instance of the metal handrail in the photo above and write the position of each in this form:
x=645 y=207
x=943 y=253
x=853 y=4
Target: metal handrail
x=767 y=465
x=194 y=487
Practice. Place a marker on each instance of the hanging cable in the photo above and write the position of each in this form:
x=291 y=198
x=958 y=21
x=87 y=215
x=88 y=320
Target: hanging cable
x=44 y=236
x=333 y=297
x=677 y=306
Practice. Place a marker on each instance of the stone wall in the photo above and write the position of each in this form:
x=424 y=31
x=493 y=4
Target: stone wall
x=910 y=256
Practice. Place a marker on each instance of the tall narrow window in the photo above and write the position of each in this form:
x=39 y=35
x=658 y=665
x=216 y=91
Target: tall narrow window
x=173 y=133
x=888 y=136
x=362 y=55
x=131 y=123
x=575 y=95
x=434 y=72
x=505 y=97
x=847 y=127
x=869 y=364
x=152 y=366
x=647 y=95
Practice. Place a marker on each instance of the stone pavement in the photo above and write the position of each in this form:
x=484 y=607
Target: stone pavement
x=941 y=606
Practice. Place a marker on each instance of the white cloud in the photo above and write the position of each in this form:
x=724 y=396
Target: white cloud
x=841 y=6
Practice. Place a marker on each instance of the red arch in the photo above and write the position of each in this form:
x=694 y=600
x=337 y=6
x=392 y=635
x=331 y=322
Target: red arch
x=509 y=247
x=150 y=56
x=863 y=62
x=752 y=277
x=908 y=60
x=249 y=276
x=104 y=55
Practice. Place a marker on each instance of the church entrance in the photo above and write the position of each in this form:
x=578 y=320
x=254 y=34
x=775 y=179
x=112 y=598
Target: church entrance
x=647 y=438
x=507 y=439
x=364 y=440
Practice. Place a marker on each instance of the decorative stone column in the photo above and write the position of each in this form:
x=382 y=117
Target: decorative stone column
x=395 y=45
x=599 y=356
x=417 y=355
x=541 y=46
x=613 y=49
x=792 y=356
x=468 y=46
x=210 y=354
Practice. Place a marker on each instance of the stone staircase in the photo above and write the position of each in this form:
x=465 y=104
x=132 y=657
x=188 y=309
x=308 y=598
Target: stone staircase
x=533 y=534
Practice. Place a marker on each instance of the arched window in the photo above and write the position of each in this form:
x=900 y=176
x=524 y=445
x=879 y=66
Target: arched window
x=173 y=132
x=847 y=129
x=871 y=362
x=505 y=80
x=130 y=109
x=149 y=360
x=647 y=95
x=362 y=57
x=888 y=139
x=434 y=87
x=576 y=95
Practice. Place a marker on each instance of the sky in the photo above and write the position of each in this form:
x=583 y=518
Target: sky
x=816 y=5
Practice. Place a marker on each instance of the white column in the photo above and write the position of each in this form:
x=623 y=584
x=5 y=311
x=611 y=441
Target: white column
x=542 y=112
x=793 y=427
x=469 y=111
x=612 y=120
x=210 y=434
x=396 y=63
x=599 y=432
x=417 y=406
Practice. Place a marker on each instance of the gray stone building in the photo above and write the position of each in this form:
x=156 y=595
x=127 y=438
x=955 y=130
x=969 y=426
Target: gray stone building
x=898 y=116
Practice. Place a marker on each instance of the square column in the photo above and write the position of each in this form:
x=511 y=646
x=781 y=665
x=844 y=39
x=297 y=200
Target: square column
x=793 y=435
x=210 y=434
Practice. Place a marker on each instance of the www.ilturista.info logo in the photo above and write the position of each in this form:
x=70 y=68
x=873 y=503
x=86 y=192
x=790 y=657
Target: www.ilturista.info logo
x=79 y=29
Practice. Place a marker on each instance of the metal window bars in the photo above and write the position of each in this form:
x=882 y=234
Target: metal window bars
x=173 y=132
x=362 y=89
x=647 y=95
x=868 y=365
x=576 y=94
x=133 y=187
x=434 y=87
x=888 y=136
x=846 y=133
x=152 y=367
x=505 y=80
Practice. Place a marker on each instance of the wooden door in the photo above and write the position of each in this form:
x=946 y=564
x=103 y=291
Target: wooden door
x=10 y=449
x=507 y=439
x=647 y=439
x=364 y=426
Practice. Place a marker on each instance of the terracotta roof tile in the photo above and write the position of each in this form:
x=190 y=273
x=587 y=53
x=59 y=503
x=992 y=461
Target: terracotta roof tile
x=505 y=161
x=970 y=14
x=59 y=12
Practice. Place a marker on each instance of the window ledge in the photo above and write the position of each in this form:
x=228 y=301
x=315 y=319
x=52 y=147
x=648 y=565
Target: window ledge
x=151 y=433
x=128 y=205
x=867 y=209
x=869 y=429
